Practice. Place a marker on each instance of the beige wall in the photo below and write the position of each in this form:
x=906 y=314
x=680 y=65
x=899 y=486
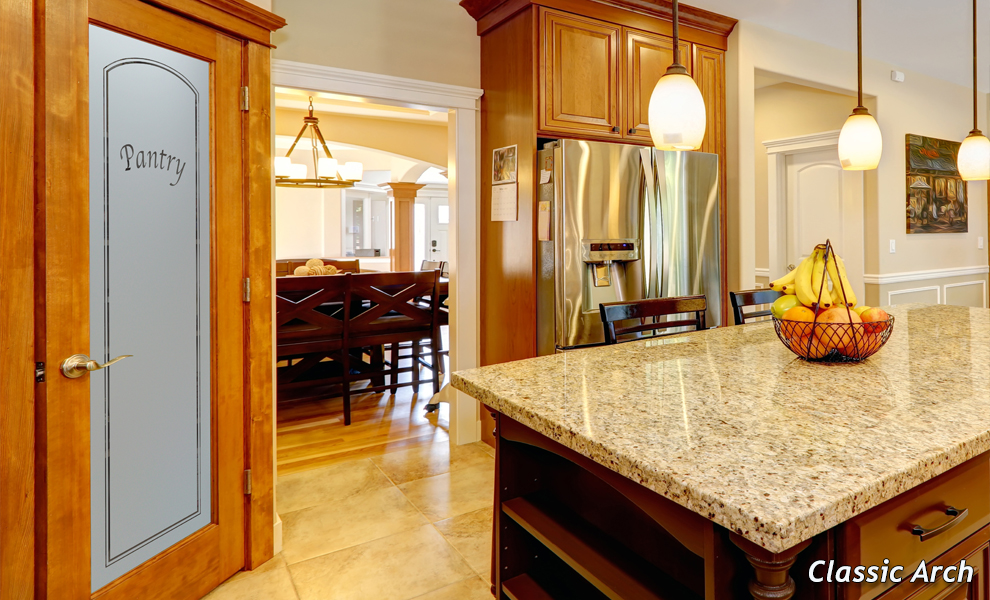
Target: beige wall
x=921 y=105
x=431 y=40
x=420 y=141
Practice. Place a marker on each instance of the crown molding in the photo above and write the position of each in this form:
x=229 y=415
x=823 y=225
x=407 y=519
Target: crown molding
x=688 y=16
x=334 y=80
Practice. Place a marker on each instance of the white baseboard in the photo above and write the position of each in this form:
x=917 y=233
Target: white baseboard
x=277 y=537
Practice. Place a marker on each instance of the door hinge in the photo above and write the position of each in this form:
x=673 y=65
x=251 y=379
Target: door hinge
x=247 y=482
x=247 y=289
x=245 y=98
x=39 y=372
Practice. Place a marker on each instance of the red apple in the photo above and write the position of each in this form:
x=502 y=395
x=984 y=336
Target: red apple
x=876 y=319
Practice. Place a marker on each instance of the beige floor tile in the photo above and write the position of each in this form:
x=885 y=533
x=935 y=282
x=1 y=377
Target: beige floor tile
x=270 y=581
x=398 y=567
x=435 y=459
x=357 y=519
x=469 y=589
x=471 y=535
x=454 y=493
x=328 y=484
x=489 y=449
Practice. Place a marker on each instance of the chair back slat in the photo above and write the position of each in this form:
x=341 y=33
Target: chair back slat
x=313 y=309
x=388 y=303
x=751 y=298
x=615 y=313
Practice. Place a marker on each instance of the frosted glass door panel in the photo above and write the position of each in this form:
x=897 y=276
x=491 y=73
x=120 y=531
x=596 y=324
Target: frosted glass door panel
x=150 y=297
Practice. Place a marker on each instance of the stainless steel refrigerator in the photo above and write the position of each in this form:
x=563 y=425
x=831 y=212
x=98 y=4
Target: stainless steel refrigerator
x=621 y=222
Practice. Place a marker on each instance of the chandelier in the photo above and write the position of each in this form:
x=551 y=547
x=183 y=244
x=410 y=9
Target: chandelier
x=329 y=173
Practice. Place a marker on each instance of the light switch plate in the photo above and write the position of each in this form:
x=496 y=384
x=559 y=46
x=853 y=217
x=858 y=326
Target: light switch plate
x=979 y=242
x=893 y=246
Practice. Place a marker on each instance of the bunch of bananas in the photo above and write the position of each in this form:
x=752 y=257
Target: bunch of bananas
x=809 y=284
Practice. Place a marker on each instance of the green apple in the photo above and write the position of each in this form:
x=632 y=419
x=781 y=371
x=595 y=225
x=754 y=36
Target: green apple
x=784 y=304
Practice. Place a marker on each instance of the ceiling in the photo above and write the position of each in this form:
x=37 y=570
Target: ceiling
x=332 y=103
x=934 y=38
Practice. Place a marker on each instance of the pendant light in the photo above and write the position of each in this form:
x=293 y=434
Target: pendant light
x=860 y=142
x=328 y=172
x=973 y=160
x=677 y=110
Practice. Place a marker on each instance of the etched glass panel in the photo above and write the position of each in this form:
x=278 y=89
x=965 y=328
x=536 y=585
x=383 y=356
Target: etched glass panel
x=149 y=297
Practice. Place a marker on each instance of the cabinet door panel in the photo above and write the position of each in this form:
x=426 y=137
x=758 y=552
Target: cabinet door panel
x=709 y=73
x=647 y=59
x=580 y=66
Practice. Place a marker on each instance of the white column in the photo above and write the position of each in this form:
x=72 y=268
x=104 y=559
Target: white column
x=464 y=251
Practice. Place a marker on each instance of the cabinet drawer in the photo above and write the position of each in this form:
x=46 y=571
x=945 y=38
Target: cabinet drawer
x=975 y=552
x=886 y=531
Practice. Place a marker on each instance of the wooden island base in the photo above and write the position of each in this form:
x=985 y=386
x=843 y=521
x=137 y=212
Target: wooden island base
x=568 y=527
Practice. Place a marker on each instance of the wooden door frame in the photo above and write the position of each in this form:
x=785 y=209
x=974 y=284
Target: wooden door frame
x=17 y=386
x=44 y=112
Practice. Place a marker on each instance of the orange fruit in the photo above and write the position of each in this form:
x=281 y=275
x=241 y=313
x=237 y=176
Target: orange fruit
x=863 y=345
x=809 y=346
x=796 y=323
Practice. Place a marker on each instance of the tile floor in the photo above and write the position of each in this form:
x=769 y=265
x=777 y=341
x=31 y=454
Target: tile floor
x=411 y=524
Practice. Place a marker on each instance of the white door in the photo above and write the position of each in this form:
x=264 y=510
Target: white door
x=431 y=222
x=439 y=222
x=812 y=200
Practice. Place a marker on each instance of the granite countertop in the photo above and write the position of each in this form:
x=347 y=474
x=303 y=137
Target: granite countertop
x=732 y=425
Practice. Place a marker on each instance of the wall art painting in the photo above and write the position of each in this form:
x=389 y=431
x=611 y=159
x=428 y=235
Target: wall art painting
x=936 y=195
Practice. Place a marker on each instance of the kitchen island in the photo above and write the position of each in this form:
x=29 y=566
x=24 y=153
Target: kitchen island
x=717 y=464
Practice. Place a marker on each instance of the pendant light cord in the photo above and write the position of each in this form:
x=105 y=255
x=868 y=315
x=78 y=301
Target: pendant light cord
x=975 y=76
x=859 y=49
x=676 y=68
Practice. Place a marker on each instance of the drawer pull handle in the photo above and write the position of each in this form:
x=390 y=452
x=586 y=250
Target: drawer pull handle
x=927 y=534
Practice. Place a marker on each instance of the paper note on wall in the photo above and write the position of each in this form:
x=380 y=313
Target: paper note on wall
x=504 y=202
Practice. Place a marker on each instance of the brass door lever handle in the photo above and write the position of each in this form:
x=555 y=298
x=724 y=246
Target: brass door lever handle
x=78 y=364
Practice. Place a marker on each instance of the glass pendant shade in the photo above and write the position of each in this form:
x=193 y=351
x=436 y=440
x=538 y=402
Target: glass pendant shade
x=283 y=166
x=677 y=113
x=973 y=160
x=860 y=143
x=327 y=167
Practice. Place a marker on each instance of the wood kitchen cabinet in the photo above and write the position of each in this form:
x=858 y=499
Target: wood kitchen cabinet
x=580 y=75
x=577 y=69
x=647 y=57
x=709 y=73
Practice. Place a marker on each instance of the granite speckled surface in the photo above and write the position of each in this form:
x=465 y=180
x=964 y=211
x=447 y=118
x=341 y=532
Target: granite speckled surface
x=732 y=425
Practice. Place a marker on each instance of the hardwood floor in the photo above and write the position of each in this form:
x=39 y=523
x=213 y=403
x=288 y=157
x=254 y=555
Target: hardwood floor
x=311 y=433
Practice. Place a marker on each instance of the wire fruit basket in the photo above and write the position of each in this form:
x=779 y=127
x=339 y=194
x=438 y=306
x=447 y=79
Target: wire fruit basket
x=833 y=342
x=835 y=333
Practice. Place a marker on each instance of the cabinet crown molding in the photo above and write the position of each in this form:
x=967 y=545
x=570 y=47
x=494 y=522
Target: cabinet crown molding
x=690 y=16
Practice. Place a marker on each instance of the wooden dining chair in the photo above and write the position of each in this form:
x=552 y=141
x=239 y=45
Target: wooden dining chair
x=751 y=298
x=647 y=313
x=311 y=315
x=431 y=265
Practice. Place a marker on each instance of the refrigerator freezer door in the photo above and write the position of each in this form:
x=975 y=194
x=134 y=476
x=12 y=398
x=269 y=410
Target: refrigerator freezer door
x=687 y=249
x=599 y=196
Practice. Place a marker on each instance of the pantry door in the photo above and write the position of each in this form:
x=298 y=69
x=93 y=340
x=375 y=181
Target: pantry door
x=158 y=282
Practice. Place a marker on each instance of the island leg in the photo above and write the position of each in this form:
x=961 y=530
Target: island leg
x=771 y=579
